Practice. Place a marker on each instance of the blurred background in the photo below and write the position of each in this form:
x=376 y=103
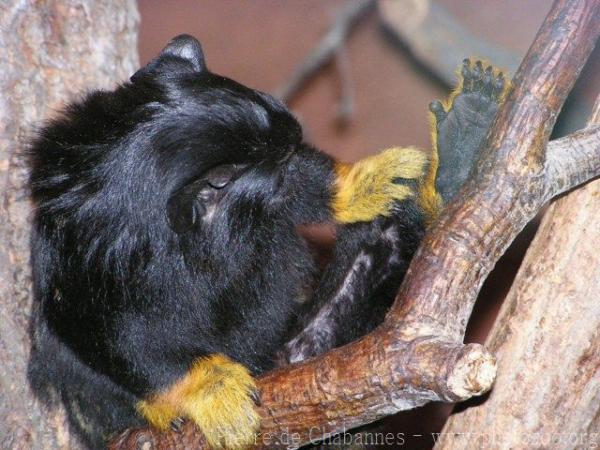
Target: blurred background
x=260 y=43
x=391 y=59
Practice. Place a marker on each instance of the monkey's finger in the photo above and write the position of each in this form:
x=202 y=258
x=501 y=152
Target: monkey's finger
x=488 y=81
x=499 y=83
x=255 y=395
x=467 y=75
x=177 y=424
x=438 y=111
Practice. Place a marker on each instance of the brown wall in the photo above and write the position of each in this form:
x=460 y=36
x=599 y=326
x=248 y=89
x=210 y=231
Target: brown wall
x=259 y=43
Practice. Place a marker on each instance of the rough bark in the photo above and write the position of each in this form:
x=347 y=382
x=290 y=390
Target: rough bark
x=50 y=51
x=547 y=338
x=417 y=355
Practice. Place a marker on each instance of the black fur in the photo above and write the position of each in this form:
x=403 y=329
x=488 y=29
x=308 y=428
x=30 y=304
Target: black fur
x=165 y=229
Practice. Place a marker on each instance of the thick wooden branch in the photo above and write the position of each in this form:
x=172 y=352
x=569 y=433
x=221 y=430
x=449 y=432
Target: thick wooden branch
x=547 y=338
x=357 y=384
x=417 y=355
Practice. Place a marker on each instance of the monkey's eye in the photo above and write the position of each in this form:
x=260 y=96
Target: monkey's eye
x=221 y=176
x=191 y=202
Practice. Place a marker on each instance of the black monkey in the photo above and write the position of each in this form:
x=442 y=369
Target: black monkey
x=168 y=270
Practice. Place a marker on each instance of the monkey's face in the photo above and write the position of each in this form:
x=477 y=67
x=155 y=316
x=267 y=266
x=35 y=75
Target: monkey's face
x=219 y=151
x=179 y=160
x=222 y=147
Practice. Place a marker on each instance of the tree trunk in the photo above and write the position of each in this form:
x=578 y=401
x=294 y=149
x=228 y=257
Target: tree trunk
x=50 y=51
x=547 y=340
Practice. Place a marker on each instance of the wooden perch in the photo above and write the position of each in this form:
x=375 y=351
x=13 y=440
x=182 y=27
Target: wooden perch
x=547 y=338
x=417 y=355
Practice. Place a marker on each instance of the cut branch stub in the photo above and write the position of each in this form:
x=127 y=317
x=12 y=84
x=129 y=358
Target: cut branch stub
x=370 y=379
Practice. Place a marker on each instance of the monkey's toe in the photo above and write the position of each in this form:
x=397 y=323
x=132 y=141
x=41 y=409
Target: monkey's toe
x=438 y=110
x=489 y=83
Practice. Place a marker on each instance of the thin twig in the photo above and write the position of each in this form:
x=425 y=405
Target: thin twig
x=326 y=49
x=345 y=110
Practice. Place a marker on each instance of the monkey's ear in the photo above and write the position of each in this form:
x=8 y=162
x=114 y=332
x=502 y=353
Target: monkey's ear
x=182 y=54
x=188 y=48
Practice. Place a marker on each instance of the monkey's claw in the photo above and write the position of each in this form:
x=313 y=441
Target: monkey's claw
x=177 y=424
x=255 y=395
x=489 y=82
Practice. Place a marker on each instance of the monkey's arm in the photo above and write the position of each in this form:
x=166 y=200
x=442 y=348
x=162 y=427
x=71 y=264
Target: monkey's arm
x=375 y=244
x=379 y=207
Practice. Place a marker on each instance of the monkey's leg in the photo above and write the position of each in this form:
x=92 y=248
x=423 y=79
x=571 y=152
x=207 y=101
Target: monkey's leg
x=380 y=223
x=461 y=124
x=366 y=257
x=348 y=298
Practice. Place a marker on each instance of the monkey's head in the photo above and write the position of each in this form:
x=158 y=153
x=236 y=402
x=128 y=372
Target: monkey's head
x=177 y=157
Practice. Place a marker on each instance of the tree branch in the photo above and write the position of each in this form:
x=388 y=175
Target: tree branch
x=417 y=355
x=326 y=49
x=572 y=160
x=548 y=326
